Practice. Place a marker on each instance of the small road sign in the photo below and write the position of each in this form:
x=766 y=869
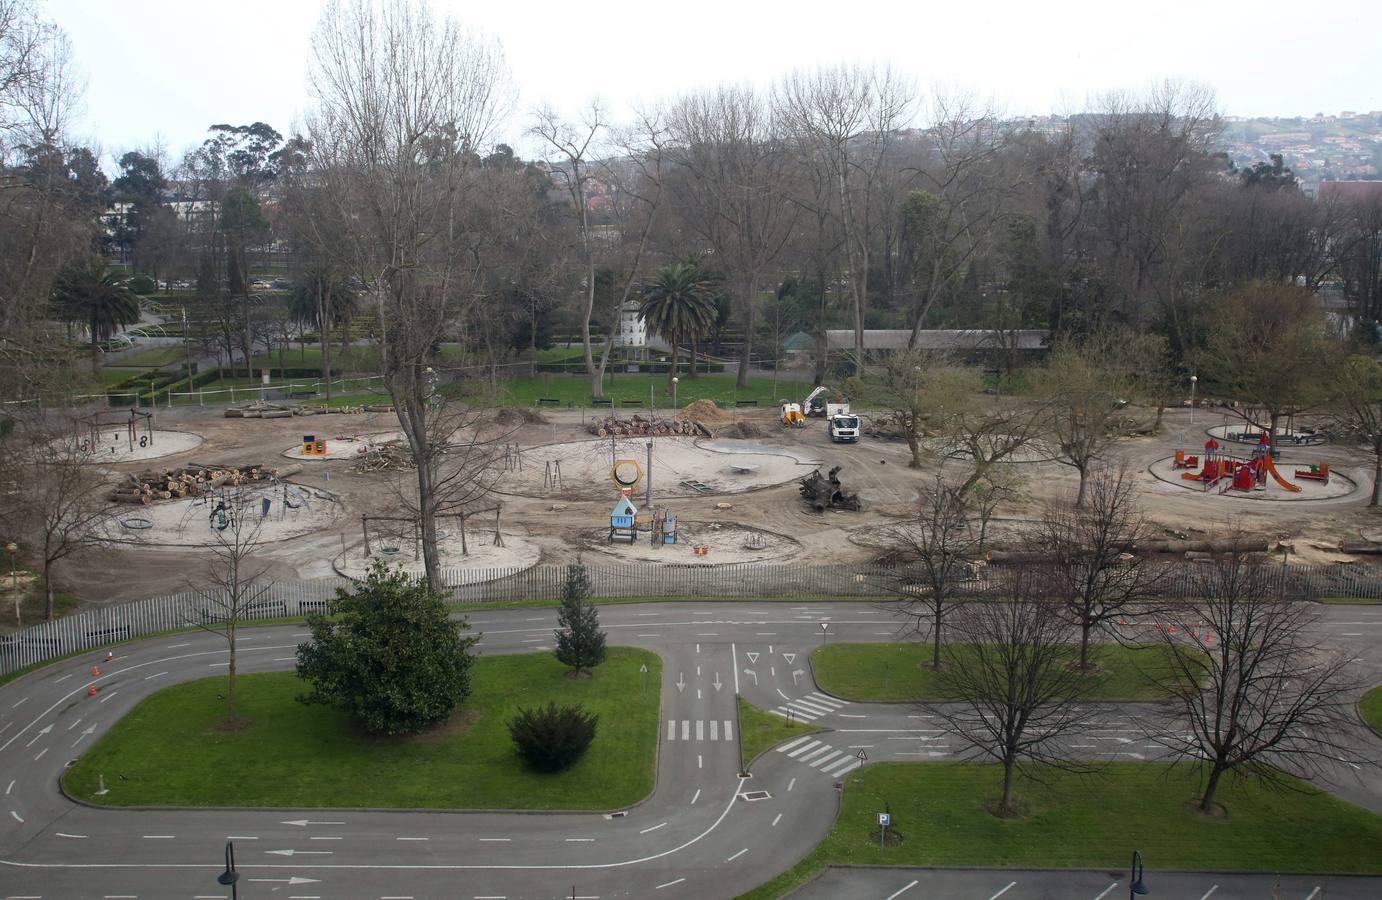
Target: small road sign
x=884 y=819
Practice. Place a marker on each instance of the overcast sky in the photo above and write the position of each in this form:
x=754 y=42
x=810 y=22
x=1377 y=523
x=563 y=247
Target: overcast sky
x=167 y=69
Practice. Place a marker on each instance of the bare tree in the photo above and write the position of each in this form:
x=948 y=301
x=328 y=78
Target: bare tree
x=1085 y=552
x=405 y=102
x=55 y=501
x=848 y=116
x=732 y=173
x=1255 y=691
x=1008 y=666
x=937 y=552
x=575 y=144
x=1083 y=387
x=237 y=585
x=1356 y=409
x=922 y=389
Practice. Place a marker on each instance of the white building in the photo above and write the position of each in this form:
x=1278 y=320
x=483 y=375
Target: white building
x=632 y=331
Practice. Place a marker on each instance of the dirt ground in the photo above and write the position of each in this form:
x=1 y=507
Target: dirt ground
x=752 y=488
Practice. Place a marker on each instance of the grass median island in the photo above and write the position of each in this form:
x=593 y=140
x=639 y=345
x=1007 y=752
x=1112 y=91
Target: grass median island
x=1083 y=822
x=760 y=729
x=171 y=751
x=1371 y=707
x=900 y=672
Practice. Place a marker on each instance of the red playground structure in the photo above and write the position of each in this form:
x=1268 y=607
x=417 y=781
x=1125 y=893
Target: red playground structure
x=1239 y=474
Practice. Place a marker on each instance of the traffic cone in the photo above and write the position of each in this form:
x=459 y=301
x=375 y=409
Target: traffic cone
x=1170 y=629
x=95 y=671
x=110 y=655
x=1122 y=621
x=91 y=691
x=1208 y=638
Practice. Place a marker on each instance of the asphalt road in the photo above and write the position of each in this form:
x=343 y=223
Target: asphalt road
x=702 y=834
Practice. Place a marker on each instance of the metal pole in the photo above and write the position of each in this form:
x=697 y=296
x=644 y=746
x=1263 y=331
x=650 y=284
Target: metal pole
x=648 y=497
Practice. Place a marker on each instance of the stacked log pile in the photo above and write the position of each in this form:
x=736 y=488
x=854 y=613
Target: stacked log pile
x=264 y=409
x=638 y=426
x=190 y=481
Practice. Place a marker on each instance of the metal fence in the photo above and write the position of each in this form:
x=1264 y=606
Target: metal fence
x=746 y=581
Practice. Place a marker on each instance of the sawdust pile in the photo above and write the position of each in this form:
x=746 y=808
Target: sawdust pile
x=703 y=411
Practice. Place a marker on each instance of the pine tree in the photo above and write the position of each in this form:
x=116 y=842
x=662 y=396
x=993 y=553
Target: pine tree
x=580 y=642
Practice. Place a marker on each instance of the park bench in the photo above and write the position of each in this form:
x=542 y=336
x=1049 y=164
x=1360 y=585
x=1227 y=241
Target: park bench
x=627 y=403
x=601 y=401
x=548 y=401
x=740 y=404
x=295 y=395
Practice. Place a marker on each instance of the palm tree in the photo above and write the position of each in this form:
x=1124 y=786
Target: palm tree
x=91 y=292
x=678 y=305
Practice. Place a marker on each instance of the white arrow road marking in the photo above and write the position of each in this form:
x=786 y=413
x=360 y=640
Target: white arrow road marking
x=45 y=730
x=90 y=730
x=796 y=673
x=754 y=674
x=718 y=684
x=299 y=852
x=296 y=879
x=681 y=682
x=303 y=823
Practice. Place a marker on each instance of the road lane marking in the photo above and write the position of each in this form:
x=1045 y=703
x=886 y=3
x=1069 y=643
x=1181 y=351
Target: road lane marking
x=176 y=646
x=1010 y=886
x=737 y=855
x=63 y=678
x=108 y=695
x=668 y=884
x=16 y=817
x=696 y=796
x=20 y=703
x=415 y=839
x=580 y=840
x=157 y=675
x=791 y=784
x=1313 y=893
x=242 y=837
x=648 y=635
x=325 y=839
x=901 y=892
x=496 y=840
x=777 y=818
x=700 y=762
x=80 y=837
x=1115 y=884
x=654 y=828
x=158 y=837
x=1205 y=897
x=40 y=754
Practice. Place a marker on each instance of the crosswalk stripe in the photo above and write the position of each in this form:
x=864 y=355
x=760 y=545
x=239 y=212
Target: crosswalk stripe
x=811 y=707
x=790 y=744
x=828 y=701
x=729 y=732
x=824 y=759
x=802 y=749
x=700 y=729
x=854 y=764
x=714 y=729
x=671 y=729
x=806 y=757
x=839 y=765
x=686 y=729
x=784 y=710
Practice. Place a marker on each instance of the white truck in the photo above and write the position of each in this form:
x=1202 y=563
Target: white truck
x=842 y=424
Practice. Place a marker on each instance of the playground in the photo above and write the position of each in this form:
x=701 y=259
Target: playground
x=323 y=446
x=481 y=558
x=1220 y=472
x=277 y=511
x=681 y=467
x=697 y=543
x=116 y=439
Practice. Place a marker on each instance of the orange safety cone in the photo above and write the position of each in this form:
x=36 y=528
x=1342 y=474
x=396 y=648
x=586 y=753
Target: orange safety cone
x=1209 y=638
x=110 y=655
x=1122 y=621
x=1170 y=629
x=1156 y=625
x=95 y=671
x=91 y=691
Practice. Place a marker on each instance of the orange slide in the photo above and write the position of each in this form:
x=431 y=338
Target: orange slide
x=1271 y=470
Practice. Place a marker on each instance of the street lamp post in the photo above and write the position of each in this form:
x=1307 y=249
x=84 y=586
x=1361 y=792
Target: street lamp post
x=675 y=379
x=1193 y=380
x=1136 y=888
x=230 y=876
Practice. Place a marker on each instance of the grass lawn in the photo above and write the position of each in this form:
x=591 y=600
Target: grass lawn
x=759 y=729
x=355 y=359
x=883 y=672
x=1371 y=705
x=939 y=810
x=169 y=751
x=525 y=391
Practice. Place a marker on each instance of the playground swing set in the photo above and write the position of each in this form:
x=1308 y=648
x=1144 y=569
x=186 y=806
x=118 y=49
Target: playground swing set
x=623 y=519
x=1230 y=473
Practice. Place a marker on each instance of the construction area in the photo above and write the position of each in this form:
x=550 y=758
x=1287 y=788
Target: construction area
x=710 y=486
